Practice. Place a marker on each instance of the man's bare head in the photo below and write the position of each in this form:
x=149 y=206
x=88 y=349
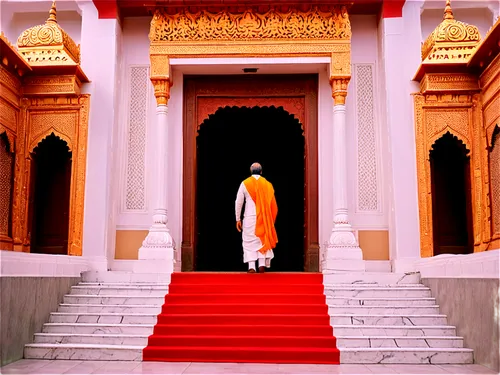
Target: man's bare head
x=256 y=168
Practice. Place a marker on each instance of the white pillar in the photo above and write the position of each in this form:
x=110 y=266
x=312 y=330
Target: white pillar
x=99 y=44
x=400 y=45
x=157 y=252
x=343 y=251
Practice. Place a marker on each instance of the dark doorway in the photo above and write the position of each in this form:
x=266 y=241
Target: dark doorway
x=227 y=144
x=451 y=197
x=49 y=199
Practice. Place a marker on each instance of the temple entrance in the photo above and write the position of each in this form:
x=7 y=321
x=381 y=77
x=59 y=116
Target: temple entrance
x=49 y=196
x=451 y=197
x=228 y=143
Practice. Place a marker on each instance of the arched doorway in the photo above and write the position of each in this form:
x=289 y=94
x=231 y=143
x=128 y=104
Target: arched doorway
x=50 y=196
x=6 y=187
x=228 y=143
x=451 y=196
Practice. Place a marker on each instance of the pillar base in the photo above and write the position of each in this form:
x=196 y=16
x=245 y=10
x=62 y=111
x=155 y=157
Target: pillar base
x=343 y=252
x=157 y=252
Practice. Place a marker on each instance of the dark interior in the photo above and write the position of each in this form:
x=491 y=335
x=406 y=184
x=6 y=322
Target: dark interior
x=451 y=197
x=49 y=200
x=228 y=143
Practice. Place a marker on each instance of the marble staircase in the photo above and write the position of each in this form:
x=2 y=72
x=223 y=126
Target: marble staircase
x=391 y=319
x=108 y=316
x=376 y=318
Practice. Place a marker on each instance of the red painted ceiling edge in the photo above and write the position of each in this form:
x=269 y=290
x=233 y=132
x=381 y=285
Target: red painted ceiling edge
x=109 y=8
x=392 y=8
x=106 y=9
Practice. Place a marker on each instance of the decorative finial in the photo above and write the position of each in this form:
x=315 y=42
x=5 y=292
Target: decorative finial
x=52 y=13
x=448 y=12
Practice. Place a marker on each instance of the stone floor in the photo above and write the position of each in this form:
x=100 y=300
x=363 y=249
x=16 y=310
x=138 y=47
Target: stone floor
x=35 y=366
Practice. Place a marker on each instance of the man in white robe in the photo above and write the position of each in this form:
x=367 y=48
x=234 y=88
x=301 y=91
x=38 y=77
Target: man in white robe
x=259 y=235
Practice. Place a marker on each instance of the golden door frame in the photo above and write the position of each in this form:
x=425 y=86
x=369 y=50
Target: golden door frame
x=67 y=118
x=460 y=114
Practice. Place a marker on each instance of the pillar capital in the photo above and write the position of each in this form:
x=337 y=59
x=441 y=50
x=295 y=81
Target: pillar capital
x=339 y=89
x=162 y=89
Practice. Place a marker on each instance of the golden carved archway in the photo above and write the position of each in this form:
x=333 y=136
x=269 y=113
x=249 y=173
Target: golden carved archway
x=40 y=95
x=316 y=32
x=458 y=94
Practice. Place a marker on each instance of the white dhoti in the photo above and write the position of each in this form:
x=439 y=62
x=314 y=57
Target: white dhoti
x=251 y=243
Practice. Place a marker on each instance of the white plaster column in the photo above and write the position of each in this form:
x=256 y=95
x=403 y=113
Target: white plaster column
x=400 y=45
x=99 y=45
x=343 y=251
x=157 y=252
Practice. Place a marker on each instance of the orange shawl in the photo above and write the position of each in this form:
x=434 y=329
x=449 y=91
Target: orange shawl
x=262 y=194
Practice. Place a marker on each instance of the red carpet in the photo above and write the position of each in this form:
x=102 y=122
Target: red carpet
x=239 y=317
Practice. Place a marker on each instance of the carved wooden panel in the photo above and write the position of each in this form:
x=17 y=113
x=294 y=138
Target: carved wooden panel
x=6 y=185
x=297 y=94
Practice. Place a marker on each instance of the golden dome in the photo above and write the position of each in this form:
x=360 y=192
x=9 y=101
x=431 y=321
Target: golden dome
x=48 y=44
x=451 y=41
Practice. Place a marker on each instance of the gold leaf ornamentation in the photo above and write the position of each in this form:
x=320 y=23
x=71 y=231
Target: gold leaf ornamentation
x=224 y=26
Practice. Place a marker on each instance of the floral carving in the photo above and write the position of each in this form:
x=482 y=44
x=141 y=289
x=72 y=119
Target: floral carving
x=250 y=25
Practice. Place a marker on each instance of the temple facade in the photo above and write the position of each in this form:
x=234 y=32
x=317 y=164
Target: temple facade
x=126 y=129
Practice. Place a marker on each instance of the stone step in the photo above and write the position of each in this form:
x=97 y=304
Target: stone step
x=132 y=290
x=89 y=328
x=113 y=300
x=125 y=277
x=98 y=339
x=124 y=284
x=392 y=331
x=399 y=342
x=90 y=352
x=383 y=301
x=88 y=308
x=387 y=319
x=435 y=356
x=377 y=292
x=382 y=310
x=345 y=278
x=103 y=318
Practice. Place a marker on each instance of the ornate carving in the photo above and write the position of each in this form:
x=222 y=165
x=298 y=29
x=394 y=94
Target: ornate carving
x=340 y=65
x=43 y=123
x=250 y=25
x=6 y=163
x=208 y=106
x=494 y=161
x=9 y=81
x=440 y=121
x=52 y=85
x=205 y=34
x=135 y=193
x=162 y=90
x=8 y=115
x=452 y=40
x=48 y=43
x=366 y=140
x=67 y=117
x=339 y=90
x=78 y=181
x=448 y=82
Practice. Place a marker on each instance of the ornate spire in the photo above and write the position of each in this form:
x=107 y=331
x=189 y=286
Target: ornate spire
x=452 y=41
x=58 y=47
x=448 y=12
x=52 y=13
